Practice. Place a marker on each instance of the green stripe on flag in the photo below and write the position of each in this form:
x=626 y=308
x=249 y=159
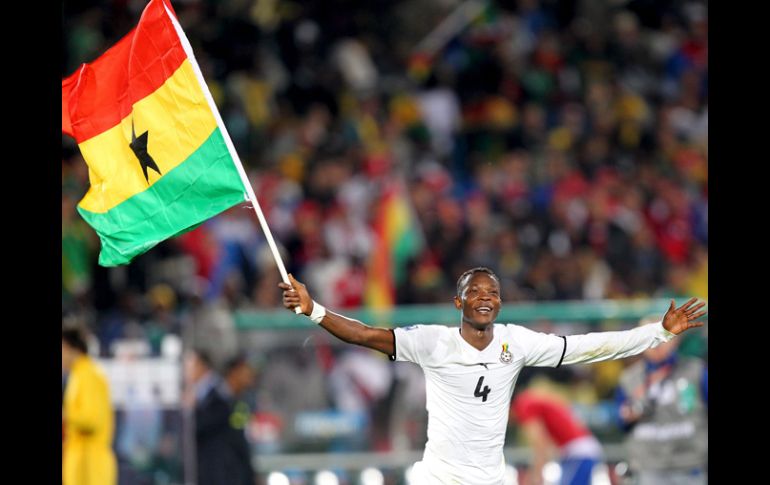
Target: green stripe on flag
x=199 y=188
x=406 y=246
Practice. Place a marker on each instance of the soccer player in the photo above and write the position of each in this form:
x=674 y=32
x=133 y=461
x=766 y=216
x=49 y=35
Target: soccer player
x=470 y=370
x=549 y=423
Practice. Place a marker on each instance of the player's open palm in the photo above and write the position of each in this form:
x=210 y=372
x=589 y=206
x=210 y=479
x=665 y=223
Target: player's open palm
x=677 y=320
x=296 y=294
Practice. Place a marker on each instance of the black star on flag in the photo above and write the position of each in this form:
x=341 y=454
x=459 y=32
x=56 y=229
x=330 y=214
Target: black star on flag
x=139 y=147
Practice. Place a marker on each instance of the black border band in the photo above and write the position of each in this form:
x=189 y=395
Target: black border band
x=563 y=351
x=393 y=357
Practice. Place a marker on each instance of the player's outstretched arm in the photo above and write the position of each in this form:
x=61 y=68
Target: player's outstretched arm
x=344 y=328
x=598 y=346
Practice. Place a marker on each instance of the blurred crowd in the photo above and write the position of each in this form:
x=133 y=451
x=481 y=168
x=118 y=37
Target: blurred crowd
x=562 y=144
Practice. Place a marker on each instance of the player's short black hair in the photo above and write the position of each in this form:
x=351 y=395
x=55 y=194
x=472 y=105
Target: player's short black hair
x=464 y=278
x=74 y=335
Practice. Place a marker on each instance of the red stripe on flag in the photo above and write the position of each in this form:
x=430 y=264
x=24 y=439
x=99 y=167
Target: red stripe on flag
x=380 y=289
x=103 y=92
x=67 y=86
x=383 y=289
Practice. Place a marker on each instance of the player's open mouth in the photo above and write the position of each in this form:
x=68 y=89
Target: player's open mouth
x=484 y=309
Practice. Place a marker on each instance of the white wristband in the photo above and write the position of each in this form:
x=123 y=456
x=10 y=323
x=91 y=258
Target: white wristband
x=318 y=313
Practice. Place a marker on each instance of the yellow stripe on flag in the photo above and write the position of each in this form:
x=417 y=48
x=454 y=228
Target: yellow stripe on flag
x=178 y=120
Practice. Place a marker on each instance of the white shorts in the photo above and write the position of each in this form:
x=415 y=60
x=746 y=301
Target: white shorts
x=429 y=472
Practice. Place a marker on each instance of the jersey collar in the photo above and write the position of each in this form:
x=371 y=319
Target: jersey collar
x=490 y=354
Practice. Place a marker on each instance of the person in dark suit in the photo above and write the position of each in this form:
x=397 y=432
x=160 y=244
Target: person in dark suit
x=222 y=453
x=239 y=376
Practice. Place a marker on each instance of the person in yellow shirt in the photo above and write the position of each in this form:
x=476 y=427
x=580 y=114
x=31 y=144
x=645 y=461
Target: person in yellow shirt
x=88 y=416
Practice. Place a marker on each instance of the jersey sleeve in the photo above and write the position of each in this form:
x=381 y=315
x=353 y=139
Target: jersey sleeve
x=414 y=343
x=540 y=349
x=598 y=346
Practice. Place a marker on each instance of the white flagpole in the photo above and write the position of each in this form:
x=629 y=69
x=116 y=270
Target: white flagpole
x=231 y=148
x=464 y=14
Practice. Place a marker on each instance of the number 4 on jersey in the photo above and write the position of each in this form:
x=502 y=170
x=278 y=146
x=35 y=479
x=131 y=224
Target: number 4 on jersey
x=481 y=393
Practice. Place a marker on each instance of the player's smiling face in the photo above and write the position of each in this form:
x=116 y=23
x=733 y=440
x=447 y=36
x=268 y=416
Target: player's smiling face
x=480 y=300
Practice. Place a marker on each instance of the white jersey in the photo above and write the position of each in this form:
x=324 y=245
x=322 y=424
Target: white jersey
x=468 y=391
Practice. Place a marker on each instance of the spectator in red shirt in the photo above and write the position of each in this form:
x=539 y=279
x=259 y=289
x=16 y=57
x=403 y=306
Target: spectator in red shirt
x=548 y=422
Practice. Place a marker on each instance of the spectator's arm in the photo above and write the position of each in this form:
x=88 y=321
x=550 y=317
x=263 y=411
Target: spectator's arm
x=537 y=437
x=625 y=416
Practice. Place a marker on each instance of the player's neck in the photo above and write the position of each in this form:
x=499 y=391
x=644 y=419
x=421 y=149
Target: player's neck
x=479 y=338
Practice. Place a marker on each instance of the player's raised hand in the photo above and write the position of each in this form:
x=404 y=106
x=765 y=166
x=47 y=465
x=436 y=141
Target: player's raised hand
x=296 y=295
x=677 y=320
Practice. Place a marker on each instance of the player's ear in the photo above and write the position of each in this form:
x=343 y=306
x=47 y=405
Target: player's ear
x=458 y=302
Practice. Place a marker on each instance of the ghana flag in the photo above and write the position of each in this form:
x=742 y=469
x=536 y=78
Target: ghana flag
x=397 y=239
x=160 y=160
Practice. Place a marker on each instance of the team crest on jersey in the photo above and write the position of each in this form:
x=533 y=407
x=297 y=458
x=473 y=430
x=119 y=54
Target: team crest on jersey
x=505 y=356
